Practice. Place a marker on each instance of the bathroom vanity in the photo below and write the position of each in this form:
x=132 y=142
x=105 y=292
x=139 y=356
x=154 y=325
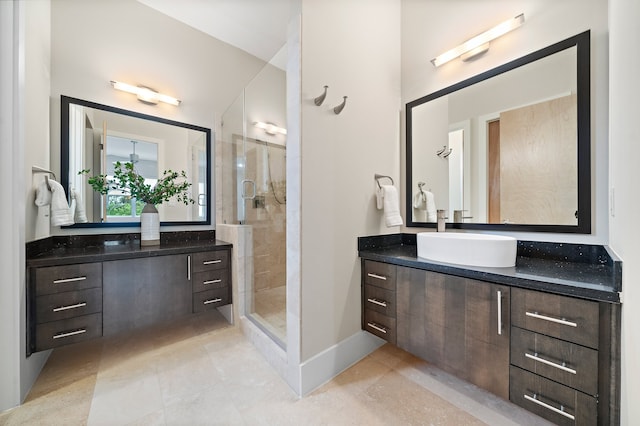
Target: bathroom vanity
x=544 y=334
x=83 y=287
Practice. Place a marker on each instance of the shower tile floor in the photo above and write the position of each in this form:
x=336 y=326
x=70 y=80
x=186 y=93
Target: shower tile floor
x=203 y=371
x=271 y=310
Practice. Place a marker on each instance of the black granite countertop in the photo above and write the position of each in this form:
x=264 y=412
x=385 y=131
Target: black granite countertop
x=578 y=270
x=88 y=248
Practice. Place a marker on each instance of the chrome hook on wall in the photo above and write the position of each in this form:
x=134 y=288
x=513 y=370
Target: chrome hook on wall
x=320 y=99
x=338 y=109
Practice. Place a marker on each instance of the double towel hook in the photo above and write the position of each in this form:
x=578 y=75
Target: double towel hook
x=320 y=99
x=444 y=153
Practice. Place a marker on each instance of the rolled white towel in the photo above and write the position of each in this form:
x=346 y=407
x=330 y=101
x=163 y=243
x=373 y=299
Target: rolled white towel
x=61 y=214
x=391 y=206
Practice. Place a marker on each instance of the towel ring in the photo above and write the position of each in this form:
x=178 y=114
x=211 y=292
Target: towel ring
x=378 y=177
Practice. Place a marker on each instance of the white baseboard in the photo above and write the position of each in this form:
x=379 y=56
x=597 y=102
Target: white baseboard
x=326 y=365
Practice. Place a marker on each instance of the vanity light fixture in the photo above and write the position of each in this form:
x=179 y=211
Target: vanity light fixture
x=145 y=94
x=480 y=43
x=270 y=128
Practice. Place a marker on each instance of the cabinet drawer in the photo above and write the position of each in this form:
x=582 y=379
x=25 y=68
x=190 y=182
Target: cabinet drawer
x=209 y=260
x=210 y=299
x=59 y=306
x=57 y=279
x=380 y=325
x=553 y=401
x=380 y=300
x=566 y=318
x=380 y=274
x=210 y=279
x=65 y=332
x=564 y=362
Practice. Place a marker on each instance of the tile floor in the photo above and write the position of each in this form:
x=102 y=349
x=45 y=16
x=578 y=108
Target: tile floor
x=203 y=371
x=271 y=310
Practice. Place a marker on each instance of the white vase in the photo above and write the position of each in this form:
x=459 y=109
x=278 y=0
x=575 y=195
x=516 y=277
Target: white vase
x=149 y=226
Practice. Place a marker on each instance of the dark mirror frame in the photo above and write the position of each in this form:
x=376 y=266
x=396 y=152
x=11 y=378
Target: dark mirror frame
x=582 y=42
x=65 y=101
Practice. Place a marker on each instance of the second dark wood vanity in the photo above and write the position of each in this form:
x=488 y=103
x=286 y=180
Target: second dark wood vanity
x=78 y=291
x=538 y=345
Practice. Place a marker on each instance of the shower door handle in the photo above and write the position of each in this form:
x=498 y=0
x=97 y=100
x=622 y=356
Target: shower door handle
x=244 y=192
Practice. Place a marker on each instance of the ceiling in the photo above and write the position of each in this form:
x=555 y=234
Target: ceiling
x=258 y=27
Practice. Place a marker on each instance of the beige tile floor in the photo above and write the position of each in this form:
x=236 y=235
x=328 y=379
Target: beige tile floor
x=203 y=372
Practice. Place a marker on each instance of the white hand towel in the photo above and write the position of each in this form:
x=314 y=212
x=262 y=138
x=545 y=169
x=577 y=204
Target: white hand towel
x=420 y=200
x=432 y=212
x=391 y=206
x=61 y=214
x=43 y=195
x=79 y=214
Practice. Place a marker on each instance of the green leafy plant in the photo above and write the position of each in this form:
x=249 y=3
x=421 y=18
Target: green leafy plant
x=126 y=179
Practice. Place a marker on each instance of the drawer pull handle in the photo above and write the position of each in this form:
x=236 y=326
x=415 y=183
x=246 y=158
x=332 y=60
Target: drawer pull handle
x=380 y=277
x=378 y=302
x=69 y=280
x=551 y=319
x=217 y=299
x=65 y=308
x=377 y=327
x=536 y=358
x=499 y=297
x=211 y=282
x=211 y=262
x=560 y=410
x=70 y=333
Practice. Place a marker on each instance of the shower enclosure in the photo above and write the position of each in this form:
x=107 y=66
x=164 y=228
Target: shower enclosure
x=252 y=156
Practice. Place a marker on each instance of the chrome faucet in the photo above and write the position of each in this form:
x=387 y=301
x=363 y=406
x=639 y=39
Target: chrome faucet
x=441 y=217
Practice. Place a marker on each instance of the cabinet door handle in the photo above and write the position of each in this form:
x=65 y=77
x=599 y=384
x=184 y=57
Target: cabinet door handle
x=562 y=367
x=376 y=327
x=69 y=280
x=551 y=319
x=211 y=282
x=378 y=302
x=499 y=296
x=70 y=333
x=65 y=308
x=560 y=410
x=206 y=302
x=189 y=267
x=211 y=262
x=380 y=277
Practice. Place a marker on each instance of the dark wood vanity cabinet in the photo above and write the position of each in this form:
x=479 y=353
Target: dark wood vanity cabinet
x=458 y=324
x=66 y=305
x=71 y=303
x=559 y=350
x=211 y=280
x=379 y=299
x=141 y=292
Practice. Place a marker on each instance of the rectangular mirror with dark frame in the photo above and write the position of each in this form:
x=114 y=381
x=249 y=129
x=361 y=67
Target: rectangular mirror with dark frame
x=95 y=137
x=508 y=149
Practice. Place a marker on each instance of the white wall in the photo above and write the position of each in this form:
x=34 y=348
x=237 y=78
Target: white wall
x=354 y=48
x=133 y=43
x=24 y=110
x=432 y=27
x=624 y=136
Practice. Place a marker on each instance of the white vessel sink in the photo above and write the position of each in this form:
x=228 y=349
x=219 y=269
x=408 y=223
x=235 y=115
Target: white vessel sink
x=494 y=251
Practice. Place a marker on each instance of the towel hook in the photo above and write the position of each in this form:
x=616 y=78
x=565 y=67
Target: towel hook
x=338 y=109
x=320 y=99
x=378 y=177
